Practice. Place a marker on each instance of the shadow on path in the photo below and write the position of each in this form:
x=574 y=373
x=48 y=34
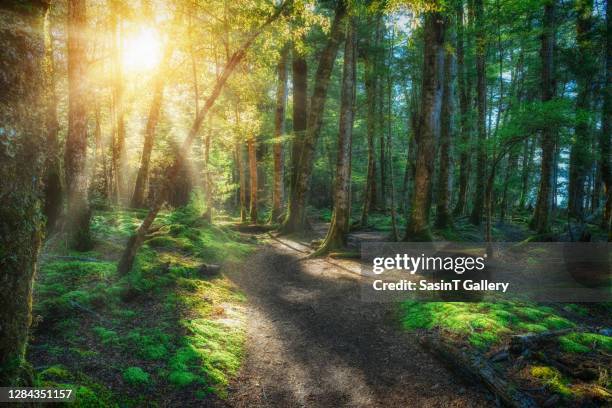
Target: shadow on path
x=312 y=342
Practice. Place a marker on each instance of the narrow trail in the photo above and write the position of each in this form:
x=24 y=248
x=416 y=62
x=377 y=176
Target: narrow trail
x=312 y=342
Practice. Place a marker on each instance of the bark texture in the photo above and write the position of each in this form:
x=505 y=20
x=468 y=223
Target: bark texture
x=252 y=152
x=339 y=228
x=428 y=127
x=542 y=209
x=279 y=131
x=464 y=104
x=443 y=216
x=75 y=155
x=296 y=213
x=585 y=71
x=22 y=140
x=53 y=175
x=481 y=97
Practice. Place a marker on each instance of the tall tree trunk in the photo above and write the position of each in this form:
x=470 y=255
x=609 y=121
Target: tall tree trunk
x=371 y=84
x=299 y=77
x=75 y=156
x=279 y=131
x=443 y=216
x=296 y=212
x=586 y=69
x=428 y=127
x=52 y=179
x=394 y=229
x=339 y=227
x=21 y=156
x=242 y=179
x=142 y=179
x=481 y=96
x=119 y=164
x=252 y=178
x=135 y=242
x=542 y=209
x=606 y=133
x=464 y=104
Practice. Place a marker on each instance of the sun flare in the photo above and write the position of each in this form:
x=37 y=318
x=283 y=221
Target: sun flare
x=142 y=50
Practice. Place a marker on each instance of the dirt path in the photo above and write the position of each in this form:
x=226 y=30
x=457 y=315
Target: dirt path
x=313 y=343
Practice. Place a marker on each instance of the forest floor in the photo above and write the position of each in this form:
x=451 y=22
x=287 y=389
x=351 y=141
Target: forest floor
x=273 y=329
x=312 y=342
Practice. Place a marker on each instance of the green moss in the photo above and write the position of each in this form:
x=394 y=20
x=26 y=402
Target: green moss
x=136 y=376
x=585 y=342
x=107 y=337
x=482 y=324
x=556 y=323
x=552 y=379
x=181 y=378
x=531 y=327
x=55 y=373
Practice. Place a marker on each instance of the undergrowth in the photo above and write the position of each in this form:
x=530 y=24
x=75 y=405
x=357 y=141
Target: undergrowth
x=162 y=329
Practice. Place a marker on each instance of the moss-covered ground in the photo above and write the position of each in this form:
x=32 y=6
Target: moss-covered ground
x=163 y=334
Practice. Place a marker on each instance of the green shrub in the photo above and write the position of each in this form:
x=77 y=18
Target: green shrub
x=136 y=376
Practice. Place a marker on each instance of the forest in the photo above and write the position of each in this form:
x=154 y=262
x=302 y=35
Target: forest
x=185 y=186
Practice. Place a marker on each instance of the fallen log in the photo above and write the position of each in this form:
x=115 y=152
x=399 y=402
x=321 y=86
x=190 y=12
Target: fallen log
x=477 y=367
x=521 y=342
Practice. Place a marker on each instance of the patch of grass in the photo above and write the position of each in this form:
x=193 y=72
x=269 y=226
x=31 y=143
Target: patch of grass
x=136 y=376
x=585 y=342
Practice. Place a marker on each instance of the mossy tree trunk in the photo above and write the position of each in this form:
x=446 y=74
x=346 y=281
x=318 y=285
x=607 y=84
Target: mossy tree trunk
x=428 y=127
x=53 y=175
x=339 y=228
x=22 y=141
x=279 y=131
x=464 y=128
x=542 y=210
x=75 y=155
x=295 y=221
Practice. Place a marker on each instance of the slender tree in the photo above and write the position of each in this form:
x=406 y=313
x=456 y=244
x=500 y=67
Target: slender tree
x=52 y=178
x=606 y=130
x=481 y=96
x=279 y=131
x=296 y=212
x=464 y=128
x=75 y=155
x=339 y=227
x=142 y=179
x=136 y=240
x=585 y=71
x=252 y=154
x=443 y=216
x=371 y=85
x=540 y=220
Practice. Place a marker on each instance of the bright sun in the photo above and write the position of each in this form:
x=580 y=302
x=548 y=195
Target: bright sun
x=141 y=50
